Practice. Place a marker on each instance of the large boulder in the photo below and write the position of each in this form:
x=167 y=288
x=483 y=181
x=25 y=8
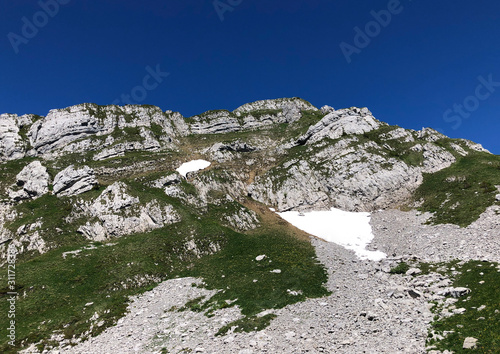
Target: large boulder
x=73 y=181
x=33 y=180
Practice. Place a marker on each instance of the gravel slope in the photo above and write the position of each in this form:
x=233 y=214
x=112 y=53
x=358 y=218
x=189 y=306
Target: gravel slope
x=369 y=310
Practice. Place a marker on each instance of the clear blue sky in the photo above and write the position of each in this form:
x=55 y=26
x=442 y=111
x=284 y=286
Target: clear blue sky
x=425 y=60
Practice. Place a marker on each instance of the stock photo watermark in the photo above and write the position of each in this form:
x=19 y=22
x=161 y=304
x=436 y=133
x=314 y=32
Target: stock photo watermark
x=460 y=111
x=30 y=27
x=150 y=81
x=11 y=294
x=364 y=36
x=223 y=6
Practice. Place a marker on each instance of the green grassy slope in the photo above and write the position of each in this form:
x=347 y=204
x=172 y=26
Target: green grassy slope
x=54 y=289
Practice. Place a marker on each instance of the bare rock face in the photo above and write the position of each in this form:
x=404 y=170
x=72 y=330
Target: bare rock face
x=215 y=122
x=301 y=189
x=436 y=158
x=350 y=179
x=88 y=127
x=116 y=213
x=73 y=181
x=242 y=220
x=430 y=135
x=62 y=127
x=222 y=152
x=339 y=123
x=327 y=109
x=6 y=214
x=12 y=146
x=148 y=143
x=33 y=180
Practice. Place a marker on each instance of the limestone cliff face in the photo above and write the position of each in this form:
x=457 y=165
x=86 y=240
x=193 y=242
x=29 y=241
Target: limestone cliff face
x=352 y=161
x=106 y=165
x=12 y=144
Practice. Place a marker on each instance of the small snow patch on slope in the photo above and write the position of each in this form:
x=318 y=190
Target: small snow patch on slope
x=192 y=166
x=347 y=229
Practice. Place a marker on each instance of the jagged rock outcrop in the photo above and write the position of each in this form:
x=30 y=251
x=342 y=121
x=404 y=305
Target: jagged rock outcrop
x=12 y=145
x=242 y=220
x=86 y=127
x=111 y=131
x=148 y=143
x=214 y=122
x=29 y=238
x=171 y=179
x=6 y=214
x=33 y=180
x=250 y=116
x=435 y=158
x=341 y=122
x=116 y=213
x=222 y=152
x=275 y=104
x=430 y=135
x=350 y=179
x=73 y=181
x=356 y=171
x=400 y=134
x=327 y=109
x=62 y=127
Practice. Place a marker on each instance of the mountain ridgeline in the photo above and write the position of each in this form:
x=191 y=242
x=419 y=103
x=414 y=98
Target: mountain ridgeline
x=91 y=201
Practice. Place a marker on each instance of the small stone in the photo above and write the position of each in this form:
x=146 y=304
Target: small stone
x=414 y=294
x=261 y=257
x=459 y=311
x=470 y=343
x=455 y=292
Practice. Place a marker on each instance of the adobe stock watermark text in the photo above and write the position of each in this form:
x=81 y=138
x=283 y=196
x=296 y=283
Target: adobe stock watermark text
x=364 y=35
x=150 y=81
x=11 y=294
x=31 y=26
x=463 y=110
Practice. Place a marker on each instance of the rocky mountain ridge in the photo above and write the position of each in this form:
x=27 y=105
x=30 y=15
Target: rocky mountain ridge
x=92 y=179
x=288 y=154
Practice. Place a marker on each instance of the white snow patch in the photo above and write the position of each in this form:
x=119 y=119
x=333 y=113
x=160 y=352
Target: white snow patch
x=192 y=166
x=347 y=229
